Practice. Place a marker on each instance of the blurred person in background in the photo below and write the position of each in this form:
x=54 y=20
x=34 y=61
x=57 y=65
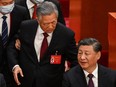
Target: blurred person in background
x=11 y=16
x=31 y=4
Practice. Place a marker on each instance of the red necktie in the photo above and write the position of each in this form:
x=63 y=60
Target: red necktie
x=34 y=12
x=90 y=83
x=44 y=45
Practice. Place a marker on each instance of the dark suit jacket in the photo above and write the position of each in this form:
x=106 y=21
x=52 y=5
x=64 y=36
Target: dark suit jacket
x=43 y=74
x=17 y=16
x=2 y=81
x=0 y=46
x=56 y=2
x=76 y=77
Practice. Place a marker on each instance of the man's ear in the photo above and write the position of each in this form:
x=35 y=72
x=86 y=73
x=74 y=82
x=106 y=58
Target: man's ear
x=98 y=55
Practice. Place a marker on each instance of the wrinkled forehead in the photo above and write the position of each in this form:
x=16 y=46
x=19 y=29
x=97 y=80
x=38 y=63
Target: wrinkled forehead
x=6 y=2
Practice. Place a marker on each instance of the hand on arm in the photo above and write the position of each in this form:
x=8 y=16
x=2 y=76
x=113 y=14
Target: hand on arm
x=17 y=44
x=67 y=67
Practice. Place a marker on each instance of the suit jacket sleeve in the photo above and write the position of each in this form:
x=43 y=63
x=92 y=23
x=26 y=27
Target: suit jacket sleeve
x=71 y=50
x=65 y=81
x=2 y=81
x=12 y=53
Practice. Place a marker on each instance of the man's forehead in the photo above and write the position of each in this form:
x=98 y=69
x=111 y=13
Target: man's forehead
x=6 y=2
x=87 y=47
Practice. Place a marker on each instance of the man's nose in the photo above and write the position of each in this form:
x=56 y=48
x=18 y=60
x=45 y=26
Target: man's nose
x=50 y=25
x=82 y=56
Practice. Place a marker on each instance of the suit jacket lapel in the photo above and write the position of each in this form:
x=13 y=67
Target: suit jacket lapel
x=102 y=77
x=23 y=3
x=13 y=18
x=81 y=77
x=53 y=43
x=54 y=39
x=28 y=11
x=32 y=29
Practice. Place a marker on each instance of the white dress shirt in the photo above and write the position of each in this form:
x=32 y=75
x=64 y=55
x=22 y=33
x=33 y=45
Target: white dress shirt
x=38 y=40
x=7 y=20
x=95 y=77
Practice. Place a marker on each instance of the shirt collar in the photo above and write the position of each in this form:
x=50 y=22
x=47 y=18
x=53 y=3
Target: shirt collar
x=3 y=15
x=41 y=31
x=95 y=72
x=29 y=4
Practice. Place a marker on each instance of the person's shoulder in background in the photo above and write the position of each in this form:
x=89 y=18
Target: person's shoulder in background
x=61 y=17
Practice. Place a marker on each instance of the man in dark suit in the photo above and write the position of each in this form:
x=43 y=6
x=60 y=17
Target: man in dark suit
x=14 y=14
x=0 y=47
x=31 y=70
x=2 y=81
x=30 y=3
x=89 y=52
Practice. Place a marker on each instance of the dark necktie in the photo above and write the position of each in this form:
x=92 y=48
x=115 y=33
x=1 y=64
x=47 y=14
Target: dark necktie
x=34 y=12
x=4 y=31
x=44 y=45
x=90 y=83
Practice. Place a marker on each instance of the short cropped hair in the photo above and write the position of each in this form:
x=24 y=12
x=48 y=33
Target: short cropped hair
x=90 y=42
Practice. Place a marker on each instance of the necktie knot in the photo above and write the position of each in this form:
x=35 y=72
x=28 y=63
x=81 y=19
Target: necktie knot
x=90 y=83
x=90 y=76
x=4 y=17
x=35 y=6
x=45 y=34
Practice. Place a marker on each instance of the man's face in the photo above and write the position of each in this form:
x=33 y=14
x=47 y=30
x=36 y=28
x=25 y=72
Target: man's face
x=6 y=6
x=48 y=22
x=6 y=2
x=87 y=57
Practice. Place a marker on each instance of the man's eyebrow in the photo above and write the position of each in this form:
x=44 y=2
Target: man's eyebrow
x=5 y=3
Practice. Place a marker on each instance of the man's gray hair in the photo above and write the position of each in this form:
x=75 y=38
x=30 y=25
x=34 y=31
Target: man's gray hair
x=46 y=8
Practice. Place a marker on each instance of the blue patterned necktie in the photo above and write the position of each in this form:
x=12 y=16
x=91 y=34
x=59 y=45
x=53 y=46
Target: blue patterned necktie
x=4 y=31
x=90 y=83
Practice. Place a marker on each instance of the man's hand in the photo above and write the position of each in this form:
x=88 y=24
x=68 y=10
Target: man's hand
x=17 y=70
x=66 y=66
x=17 y=44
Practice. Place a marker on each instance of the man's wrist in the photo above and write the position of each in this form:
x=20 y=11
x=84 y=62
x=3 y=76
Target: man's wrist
x=15 y=67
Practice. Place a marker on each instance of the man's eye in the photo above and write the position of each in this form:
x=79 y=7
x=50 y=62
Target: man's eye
x=45 y=24
x=79 y=53
x=87 y=54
